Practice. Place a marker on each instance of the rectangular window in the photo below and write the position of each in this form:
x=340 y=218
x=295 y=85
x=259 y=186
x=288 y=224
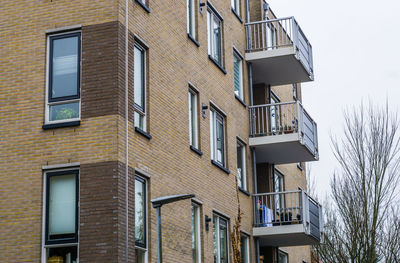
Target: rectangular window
x=238 y=75
x=241 y=164
x=191 y=19
x=61 y=216
x=63 y=83
x=217 y=132
x=140 y=87
x=278 y=187
x=220 y=239
x=244 y=248
x=193 y=122
x=236 y=6
x=141 y=219
x=214 y=29
x=196 y=252
x=282 y=257
x=294 y=90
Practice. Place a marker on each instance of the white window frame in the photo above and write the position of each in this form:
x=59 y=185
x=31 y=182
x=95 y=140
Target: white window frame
x=235 y=4
x=218 y=217
x=193 y=130
x=213 y=136
x=237 y=55
x=48 y=104
x=211 y=15
x=45 y=247
x=197 y=208
x=247 y=246
x=191 y=17
x=281 y=252
x=244 y=178
x=139 y=110
x=146 y=249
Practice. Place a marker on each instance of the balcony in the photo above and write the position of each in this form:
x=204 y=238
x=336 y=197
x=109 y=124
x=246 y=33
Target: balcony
x=283 y=133
x=290 y=218
x=279 y=52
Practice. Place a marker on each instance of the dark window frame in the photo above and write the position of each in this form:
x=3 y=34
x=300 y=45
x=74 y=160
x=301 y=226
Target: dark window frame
x=67 y=240
x=50 y=76
x=143 y=51
x=144 y=181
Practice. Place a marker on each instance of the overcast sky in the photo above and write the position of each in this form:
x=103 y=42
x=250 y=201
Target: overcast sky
x=356 y=48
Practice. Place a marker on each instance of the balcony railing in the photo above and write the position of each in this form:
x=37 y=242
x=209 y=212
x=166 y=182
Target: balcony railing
x=284 y=118
x=275 y=34
x=288 y=208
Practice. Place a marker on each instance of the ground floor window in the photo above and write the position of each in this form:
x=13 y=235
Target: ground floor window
x=62 y=254
x=220 y=239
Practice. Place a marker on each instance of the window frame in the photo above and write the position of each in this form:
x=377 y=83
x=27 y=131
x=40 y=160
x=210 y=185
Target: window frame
x=213 y=15
x=294 y=91
x=243 y=182
x=281 y=252
x=195 y=94
x=143 y=246
x=238 y=56
x=49 y=101
x=215 y=115
x=218 y=234
x=65 y=241
x=197 y=210
x=243 y=235
x=140 y=110
x=191 y=19
x=235 y=5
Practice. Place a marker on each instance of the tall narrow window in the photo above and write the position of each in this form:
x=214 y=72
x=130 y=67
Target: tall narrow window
x=220 y=239
x=214 y=29
x=140 y=87
x=282 y=257
x=241 y=165
x=63 y=93
x=61 y=222
x=217 y=132
x=244 y=248
x=191 y=18
x=238 y=75
x=193 y=122
x=235 y=4
x=294 y=90
x=278 y=187
x=140 y=219
x=196 y=252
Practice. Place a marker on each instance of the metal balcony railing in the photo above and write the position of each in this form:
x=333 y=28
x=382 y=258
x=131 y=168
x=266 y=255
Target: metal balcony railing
x=280 y=33
x=284 y=118
x=288 y=208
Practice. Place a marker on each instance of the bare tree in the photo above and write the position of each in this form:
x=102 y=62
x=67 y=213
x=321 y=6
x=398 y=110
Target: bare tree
x=361 y=221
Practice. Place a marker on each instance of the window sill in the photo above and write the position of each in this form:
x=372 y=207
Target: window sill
x=241 y=101
x=220 y=167
x=193 y=40
x=61 y=125
x=244 y=191
x=143 y=133
x=196 y=150
x=145 y=7
x=237 y=15
x=217 y=64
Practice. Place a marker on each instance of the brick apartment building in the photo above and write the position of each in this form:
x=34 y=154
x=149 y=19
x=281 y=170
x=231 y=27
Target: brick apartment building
x=107 y=105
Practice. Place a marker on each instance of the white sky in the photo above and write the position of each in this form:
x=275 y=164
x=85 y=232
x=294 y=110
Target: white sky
x=356 y=48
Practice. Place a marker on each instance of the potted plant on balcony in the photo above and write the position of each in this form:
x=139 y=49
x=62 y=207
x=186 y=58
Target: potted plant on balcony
x=288 y=129
x=286 y=218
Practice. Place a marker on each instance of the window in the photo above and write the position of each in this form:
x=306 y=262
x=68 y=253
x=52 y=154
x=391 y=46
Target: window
x=241 y=164
x=191 y=18
x=238 y=75
x=214 y=29
x=220 y=239
x=274 y=113
x=294 y=90
x=141 y=219
x=140 y=87
x=217 y=132
x=61 y=222
x=244 y=248
x=278 y=187
x=196 y=252
x=282 y=257
x=236 y=6
x=193 y=122
x=63 y=83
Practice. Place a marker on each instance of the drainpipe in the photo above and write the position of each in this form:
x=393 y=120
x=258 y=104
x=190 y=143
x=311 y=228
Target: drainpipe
x=126 y=131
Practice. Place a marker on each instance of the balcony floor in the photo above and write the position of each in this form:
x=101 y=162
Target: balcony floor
x=284 y=236
x=277 y=67
x=281 y=149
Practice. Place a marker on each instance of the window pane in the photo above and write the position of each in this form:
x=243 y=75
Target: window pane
x=140 y=212
x=140 y=256
x=64 y=72
x=217 y=39
x=190 y=17
x=212 y=134
x=244 y=249
x=195 y=234
x=62 y=205
x=193 y=118
x=139 y=91
x=240 y=171
x=140 y=121
x=220 y=139
x=67 y=254
x=282 y=257
x=237 y=70
x=215 y=239
x=223 y=236
x=64 y=111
